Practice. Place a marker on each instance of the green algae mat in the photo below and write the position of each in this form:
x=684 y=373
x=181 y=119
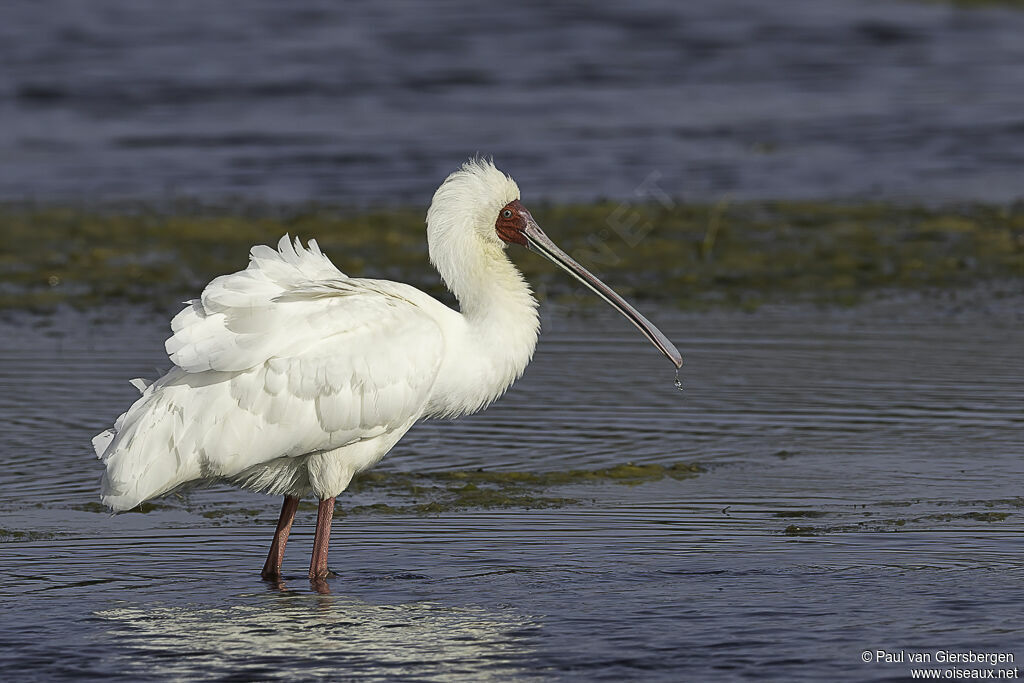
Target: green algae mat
x=691 y=256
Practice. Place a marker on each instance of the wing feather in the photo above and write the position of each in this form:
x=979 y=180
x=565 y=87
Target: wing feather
x=285 y=358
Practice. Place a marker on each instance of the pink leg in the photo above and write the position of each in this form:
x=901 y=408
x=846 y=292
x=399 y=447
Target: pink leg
x=272 y=568
x=318 y=563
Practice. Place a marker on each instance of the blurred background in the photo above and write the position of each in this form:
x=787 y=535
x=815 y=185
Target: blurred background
x=362 y=103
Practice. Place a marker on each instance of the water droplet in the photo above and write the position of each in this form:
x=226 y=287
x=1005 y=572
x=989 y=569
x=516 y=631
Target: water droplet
x=679 y=382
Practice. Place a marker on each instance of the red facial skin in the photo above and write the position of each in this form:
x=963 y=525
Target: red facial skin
x=510 y=227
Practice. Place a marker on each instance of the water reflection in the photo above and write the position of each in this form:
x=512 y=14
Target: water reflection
x=299 y=635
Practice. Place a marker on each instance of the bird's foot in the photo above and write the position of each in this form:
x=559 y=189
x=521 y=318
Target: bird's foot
x=321 y=574
x=320 y=585
x=271 y=575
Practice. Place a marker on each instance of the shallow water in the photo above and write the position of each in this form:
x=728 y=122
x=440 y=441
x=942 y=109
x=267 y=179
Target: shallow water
x=363 y=102
x=860 y=490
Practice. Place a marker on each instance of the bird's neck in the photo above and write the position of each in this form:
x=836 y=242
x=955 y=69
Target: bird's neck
x=500 y=309
x=497 y=333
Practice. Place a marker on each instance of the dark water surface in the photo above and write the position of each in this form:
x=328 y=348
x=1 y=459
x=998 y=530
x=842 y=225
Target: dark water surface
x=361 y=102
x=861 y=490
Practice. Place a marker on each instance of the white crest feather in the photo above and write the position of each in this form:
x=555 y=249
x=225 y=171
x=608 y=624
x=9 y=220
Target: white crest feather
x=461 y=220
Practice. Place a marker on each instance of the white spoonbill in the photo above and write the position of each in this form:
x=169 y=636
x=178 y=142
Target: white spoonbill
x=290 y=377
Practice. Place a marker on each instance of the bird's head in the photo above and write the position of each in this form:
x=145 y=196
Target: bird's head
x=481 y=204
x=464 y=207
x=515 y=225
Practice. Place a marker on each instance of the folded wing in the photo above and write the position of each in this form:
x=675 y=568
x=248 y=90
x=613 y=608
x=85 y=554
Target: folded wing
x=285 y=358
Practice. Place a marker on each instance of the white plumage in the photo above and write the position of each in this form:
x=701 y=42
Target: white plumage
x=290 y=377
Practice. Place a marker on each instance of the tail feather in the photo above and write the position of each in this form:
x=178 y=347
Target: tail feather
x=101 y=441
x=193 y=428
x=139 y=453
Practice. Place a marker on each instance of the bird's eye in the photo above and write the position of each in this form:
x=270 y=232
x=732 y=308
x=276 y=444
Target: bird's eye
x=507 y=213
